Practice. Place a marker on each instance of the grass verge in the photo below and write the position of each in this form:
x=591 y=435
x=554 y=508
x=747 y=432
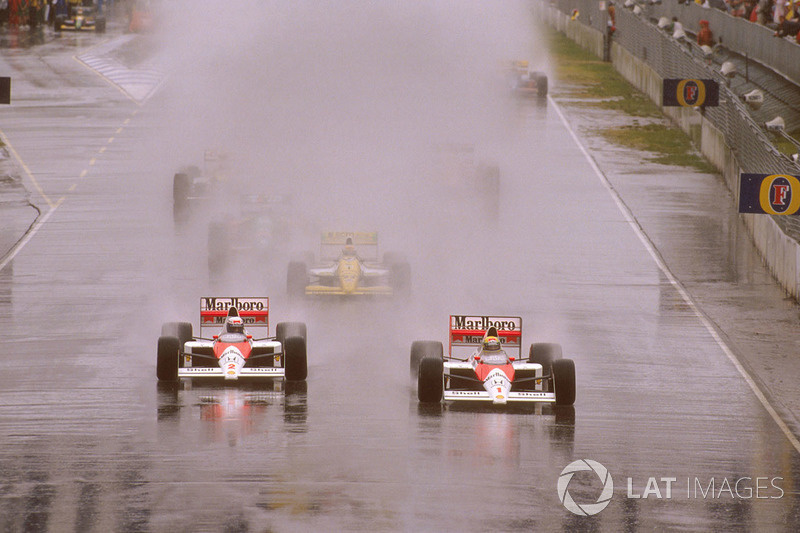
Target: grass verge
x=590 y=82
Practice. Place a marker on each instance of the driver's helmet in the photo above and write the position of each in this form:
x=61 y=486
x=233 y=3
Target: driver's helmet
x=349 y=249
x=491 y=344
x=234 y=324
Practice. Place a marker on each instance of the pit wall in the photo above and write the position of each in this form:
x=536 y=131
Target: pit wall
x=780 y=253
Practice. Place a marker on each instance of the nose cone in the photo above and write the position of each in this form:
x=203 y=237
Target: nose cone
x=498 y=386
x=231 y=363
x=349 y=274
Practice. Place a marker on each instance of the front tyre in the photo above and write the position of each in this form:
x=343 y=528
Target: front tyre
x=296 y=279
x=284 y=330
x=182 y=330
x=430 y=382
x=423 y=349
x=169 y=353
x=564 y=381
x=295 y=361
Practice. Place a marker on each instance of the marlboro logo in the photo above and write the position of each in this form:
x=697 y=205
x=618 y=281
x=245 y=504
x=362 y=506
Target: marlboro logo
x=461 y=322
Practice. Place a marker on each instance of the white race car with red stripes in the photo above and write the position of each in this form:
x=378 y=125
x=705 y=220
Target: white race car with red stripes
x=232 y=352
x=473 y=371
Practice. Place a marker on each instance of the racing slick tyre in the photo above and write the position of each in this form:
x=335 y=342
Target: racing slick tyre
x=169 y=349
x=423 y=349
x=304 y=257
x=296 y=279
x=400 y=277
x=564 y=381
x=295 y=362
x=284 y=330
x=430 y=382
x=390 y=258
x=182 y=330
x=545 y=353
x=217 y=248
x=541 y=85
x=181 y=188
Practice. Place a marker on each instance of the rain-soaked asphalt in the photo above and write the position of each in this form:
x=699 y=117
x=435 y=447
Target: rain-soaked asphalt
x=89 y=442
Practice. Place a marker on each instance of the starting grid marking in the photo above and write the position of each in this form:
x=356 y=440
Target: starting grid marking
x=137 y=84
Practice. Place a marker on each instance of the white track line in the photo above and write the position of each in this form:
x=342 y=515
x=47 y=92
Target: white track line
x=651 y=249
x=12 y=253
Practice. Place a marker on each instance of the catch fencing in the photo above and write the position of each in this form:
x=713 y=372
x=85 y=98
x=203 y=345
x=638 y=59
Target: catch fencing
x=749 y=145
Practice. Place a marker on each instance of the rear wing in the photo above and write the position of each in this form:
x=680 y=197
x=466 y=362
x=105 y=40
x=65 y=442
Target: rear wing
x=254 y=312
x=366 y=244
x=467 y=332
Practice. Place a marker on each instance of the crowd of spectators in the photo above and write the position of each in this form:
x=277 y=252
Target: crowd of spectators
x=783 y=16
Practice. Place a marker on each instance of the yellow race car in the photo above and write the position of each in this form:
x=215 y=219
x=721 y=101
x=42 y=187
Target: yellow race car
x=349 y=266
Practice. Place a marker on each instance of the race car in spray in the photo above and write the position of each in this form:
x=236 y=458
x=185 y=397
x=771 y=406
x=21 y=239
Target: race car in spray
x=80 y=16
x=258 y=227
x=232 y=353
x=525 y=82
x=349 y=267
x=484 y=363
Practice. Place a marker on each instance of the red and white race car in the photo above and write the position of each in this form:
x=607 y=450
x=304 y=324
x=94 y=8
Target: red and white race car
x=484 y=364
x=232 y=353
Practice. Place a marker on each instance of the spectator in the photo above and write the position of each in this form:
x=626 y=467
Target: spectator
x=704 y=36
x=737 y=8
x=750 y=10
x=779 y=12
x=763 y=9
x=788 y=27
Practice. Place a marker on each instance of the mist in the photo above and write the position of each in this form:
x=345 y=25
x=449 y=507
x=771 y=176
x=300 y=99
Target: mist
x=340 y=106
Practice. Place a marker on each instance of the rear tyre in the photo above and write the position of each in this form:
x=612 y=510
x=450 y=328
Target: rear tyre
x=217 y=248
x=181 y=187
x=430 y=382
x=390 y=258
x=168 y=358
x=564 y=381
x=296 y=279
x=541 y=86
x=100 y=25
x=422 y=349
x=284 y=330
x=294 y=359
x=400 y=277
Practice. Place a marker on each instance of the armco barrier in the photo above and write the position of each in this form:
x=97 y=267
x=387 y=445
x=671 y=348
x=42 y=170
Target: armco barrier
x=726 y=135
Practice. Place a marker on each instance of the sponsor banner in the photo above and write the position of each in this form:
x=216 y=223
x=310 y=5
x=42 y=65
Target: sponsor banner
x=769 y=194
x=467 y=332
x=359 y=237
x=214 y=310
x=690 y=93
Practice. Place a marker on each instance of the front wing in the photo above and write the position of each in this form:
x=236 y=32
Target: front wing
x=513 y=396
x=212 y=372
x=524 y=396
x=379 y=290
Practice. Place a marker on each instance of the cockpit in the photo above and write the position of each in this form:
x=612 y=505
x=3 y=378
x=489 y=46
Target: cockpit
x=232 y=337
x=495 y=358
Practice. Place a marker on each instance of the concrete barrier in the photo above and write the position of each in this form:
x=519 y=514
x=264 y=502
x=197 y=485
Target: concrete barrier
x=780 y=253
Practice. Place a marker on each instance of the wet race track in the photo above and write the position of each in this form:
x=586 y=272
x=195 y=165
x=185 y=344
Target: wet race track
x=90 y=442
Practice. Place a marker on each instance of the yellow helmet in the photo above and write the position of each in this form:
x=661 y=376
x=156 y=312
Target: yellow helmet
x=491 y=344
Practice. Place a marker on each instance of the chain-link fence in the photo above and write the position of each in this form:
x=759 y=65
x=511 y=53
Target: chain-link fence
x=670 y=58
